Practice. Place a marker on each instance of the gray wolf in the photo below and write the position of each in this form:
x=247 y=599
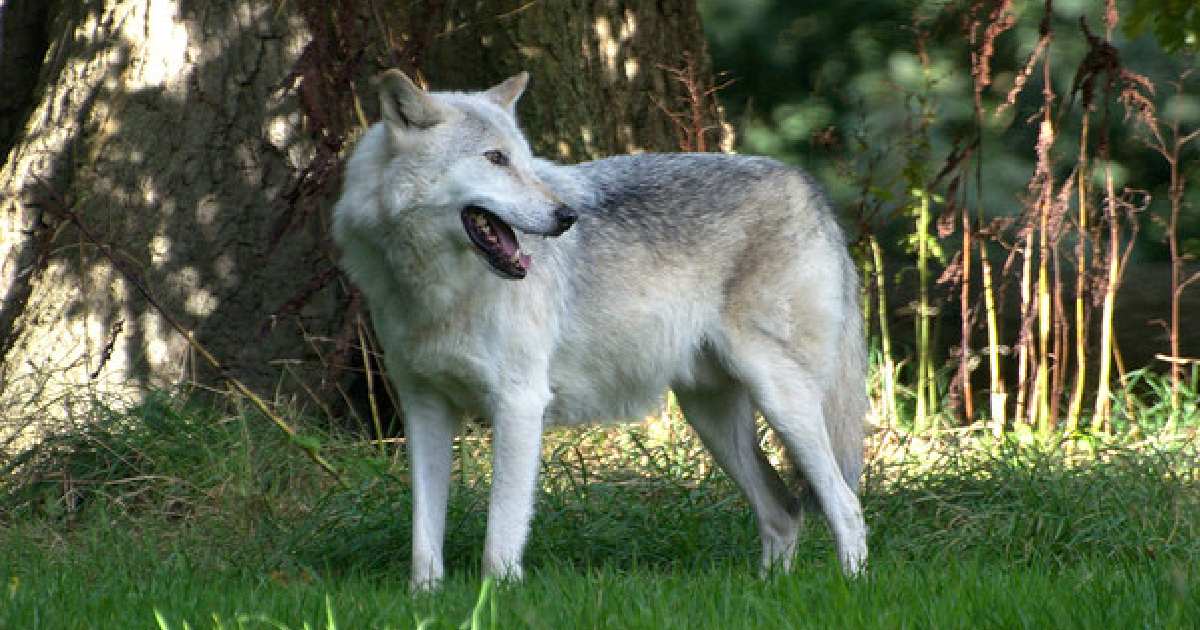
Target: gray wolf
x=507 y=287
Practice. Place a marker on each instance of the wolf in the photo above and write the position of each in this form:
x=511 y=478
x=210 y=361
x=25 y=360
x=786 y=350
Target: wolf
x=530 y=293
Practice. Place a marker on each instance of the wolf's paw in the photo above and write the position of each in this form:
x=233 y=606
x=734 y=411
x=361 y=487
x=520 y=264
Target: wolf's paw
x=778 y=552
x=854 y=561
x=421 y=585
x=426 y=577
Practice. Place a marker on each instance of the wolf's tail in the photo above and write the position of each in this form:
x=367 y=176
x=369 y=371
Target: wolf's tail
x=845 y=404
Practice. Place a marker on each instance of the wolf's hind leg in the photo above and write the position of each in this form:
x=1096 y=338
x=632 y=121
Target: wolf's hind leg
x=429 y=427
x=789 y=395
x=724 y=419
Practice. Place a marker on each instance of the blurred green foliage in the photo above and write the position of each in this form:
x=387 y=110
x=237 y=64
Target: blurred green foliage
x=865 y=93
x=1175 y=23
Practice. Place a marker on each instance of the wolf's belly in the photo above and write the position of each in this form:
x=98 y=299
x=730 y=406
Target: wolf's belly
x=624 y=379
x=593 y=399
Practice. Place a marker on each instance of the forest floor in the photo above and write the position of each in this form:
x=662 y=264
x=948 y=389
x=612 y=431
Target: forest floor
x=182 y=515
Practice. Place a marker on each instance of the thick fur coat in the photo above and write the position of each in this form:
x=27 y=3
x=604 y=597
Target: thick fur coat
x=529 y=293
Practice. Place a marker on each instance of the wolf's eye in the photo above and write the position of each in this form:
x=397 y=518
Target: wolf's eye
x=497 y=157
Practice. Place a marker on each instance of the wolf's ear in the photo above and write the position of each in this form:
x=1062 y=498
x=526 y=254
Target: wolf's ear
x=406 y=105
x=506 y=93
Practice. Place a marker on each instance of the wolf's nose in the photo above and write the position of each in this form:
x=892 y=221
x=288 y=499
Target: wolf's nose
x=566 y=217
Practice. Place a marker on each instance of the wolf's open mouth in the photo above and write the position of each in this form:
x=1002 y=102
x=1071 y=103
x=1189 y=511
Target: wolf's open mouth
x=496 y=241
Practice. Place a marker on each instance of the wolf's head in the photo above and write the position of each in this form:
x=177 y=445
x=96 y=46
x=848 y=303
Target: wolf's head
x=460 y=159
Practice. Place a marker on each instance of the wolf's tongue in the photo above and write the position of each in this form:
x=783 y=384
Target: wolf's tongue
x=507 y=241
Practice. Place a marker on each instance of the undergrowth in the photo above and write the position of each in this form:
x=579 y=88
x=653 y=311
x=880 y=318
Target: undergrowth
x=182 y=487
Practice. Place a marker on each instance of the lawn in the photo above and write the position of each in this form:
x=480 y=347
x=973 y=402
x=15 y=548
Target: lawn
x=184 y=515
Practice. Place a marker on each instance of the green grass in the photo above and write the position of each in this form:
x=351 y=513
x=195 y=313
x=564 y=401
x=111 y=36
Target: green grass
x=181 y=515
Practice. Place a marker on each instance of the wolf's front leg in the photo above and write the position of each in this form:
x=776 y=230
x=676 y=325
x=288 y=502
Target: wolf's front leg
x=516 y=458
x=429 y=426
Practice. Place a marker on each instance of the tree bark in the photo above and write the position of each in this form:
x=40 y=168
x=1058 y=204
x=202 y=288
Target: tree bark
x=202 y=142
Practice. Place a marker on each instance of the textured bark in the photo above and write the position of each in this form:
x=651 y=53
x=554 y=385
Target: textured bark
x=599 y=85
x=23 y=40
x=202 y=142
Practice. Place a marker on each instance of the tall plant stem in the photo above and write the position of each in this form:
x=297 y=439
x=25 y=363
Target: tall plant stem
x=925 y=386
x=888 y=372
x=997 y=397
x=1102 y=420
x=1062 y=328
x=1081 y=272
x=1175 y=192
x=964 y=303
x=1024 y=361
x=1040 y=401
x=1177 y=286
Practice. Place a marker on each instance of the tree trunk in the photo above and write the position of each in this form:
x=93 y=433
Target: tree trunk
x=202 y=141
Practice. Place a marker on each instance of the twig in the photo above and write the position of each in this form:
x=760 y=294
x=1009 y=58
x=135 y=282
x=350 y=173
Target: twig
x=370 y=374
